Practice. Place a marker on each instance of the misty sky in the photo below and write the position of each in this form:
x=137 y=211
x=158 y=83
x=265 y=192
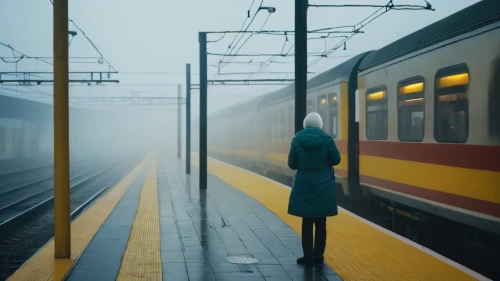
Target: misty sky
x=162 y=36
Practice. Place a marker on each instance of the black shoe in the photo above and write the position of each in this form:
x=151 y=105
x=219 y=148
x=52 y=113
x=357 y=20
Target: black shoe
x=306 y=261
x=319 y=260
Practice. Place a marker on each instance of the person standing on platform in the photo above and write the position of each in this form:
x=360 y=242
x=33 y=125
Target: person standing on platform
x=312 y=154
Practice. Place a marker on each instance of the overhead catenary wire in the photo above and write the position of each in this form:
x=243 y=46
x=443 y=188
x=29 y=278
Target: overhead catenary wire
x=221 y=63
x=373 y=16
x=102 y=58
x=330 y=34
x=390 y=5
x=22 y=55
x=17 y=55
x=230 y=47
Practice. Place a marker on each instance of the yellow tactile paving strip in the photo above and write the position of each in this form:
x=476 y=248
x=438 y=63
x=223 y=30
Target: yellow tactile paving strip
x=43 y=266
x=142 y=259
x=355 y=250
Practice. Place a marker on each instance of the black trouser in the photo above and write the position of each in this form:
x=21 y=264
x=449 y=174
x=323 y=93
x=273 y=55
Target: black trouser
x=318 y=249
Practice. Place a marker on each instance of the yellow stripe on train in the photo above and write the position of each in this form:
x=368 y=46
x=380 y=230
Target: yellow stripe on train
x=243 y=152
x=283 y=158
x=479 y=184
x=280 y=159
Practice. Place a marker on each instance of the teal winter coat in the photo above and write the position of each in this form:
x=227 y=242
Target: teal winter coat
x=312 y=154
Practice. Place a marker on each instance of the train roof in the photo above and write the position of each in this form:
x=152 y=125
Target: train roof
x=342 y=70
x=240 y=108
x=470 y=18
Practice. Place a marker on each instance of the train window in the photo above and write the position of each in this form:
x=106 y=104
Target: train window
x=282 y=124
x=251 y=134
x=269 y=126
x=2 y=140
x=451 y=104
x=376 y=113
x=494 y=101
x=310 y=106
x=411 y=109
x=276 y=125
x=333 y=108
x=290 y=121
x=323 y=111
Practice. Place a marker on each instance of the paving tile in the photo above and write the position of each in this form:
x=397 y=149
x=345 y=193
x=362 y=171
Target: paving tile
x=174 y=268
x=98 y=262
x=195 y=257
x=175 y=277
x=200 y=273
x=280 y=278
x=333 y=277
x=324 y=269
x=309 y=277
x=266 y=259
x=224 y=267
x=272 y=270
x=174 y=257
x=297 y=269
x=288 y=259
x=250 y=278
x=92 y=274
x=237 y=274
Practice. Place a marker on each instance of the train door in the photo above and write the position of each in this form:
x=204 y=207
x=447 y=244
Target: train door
x=494 y=101
x=322 y=105
x=3 y=143
x=333 y=113
x=310 y=106
x=282 y=124
x=355 y=157
x=268 y=136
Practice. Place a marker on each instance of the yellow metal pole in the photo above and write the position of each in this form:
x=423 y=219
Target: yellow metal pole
x=62 y=233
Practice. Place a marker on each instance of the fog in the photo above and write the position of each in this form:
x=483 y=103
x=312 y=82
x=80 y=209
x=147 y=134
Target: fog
x=124 y=131
x=120 y=131
x=148 y=44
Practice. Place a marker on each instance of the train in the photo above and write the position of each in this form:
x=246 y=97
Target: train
x=417 y=122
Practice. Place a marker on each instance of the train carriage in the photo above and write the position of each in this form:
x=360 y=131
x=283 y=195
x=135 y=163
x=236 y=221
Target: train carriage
x=428 y=130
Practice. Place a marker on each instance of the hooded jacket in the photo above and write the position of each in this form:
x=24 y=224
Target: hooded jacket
x=312 y=154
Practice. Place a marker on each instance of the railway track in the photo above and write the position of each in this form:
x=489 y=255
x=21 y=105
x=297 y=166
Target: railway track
x=16 y=177
x=39 y=198
x=11 y=195
x=12 y=179
x=29 y=224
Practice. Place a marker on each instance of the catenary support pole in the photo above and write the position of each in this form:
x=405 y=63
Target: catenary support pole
x=300 y=62
x=179 y=120
x=203 y=110
x=62 y=234
x=188 y=118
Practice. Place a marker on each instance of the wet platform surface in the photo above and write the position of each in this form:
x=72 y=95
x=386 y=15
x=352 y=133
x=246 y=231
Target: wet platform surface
x=200 y=231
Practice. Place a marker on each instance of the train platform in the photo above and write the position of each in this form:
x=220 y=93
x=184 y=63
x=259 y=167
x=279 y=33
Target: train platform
x=156 y=224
